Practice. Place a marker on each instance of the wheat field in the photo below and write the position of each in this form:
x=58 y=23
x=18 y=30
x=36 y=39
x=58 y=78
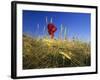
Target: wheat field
x=52 y=53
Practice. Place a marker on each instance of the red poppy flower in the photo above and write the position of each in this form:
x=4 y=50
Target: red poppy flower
x=51 y=29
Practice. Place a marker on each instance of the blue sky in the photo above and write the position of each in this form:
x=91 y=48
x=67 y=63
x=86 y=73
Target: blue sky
x=76 y=24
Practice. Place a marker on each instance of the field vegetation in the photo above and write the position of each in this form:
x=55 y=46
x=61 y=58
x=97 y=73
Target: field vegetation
x=53 y=53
